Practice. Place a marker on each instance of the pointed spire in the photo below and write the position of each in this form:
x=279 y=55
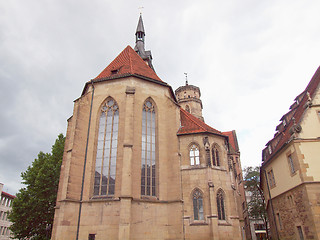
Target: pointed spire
x=139 y=48
x=140 y=30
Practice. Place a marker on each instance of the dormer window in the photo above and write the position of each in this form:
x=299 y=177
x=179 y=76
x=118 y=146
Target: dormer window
x=284 y=123
x=269 y=149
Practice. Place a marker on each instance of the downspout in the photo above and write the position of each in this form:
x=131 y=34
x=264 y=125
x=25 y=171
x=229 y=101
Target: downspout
x=274 y=218
x=181 y=189
x=85 y=161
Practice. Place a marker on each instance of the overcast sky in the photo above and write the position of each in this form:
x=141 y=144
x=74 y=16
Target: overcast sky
x=250 y=59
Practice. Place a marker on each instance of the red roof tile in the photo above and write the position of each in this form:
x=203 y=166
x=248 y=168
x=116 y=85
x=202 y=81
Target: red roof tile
x=128 y=62
x=232 y=140
x=295 y=116
x=191 y=124
x=8 y=194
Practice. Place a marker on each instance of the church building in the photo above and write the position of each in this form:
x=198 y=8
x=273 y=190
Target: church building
x=140 y=162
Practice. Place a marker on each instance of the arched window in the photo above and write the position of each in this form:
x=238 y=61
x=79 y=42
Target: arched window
x=215 y=156
x=188 y=108
x=148 y=150
x=194 y=155
x=197 y=205
x=220 y=205
x=105 y=172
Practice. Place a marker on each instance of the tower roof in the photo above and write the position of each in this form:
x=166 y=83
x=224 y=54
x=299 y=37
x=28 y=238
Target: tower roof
x=191 y=124
x=128 y=62
x=140 y=27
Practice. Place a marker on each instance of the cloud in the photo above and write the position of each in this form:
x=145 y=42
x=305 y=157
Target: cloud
x=249 y=58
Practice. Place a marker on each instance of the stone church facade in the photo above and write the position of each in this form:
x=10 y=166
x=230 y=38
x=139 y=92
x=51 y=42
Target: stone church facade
x=140 y=163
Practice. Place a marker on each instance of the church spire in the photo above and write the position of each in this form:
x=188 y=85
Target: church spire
x=140 y=30
x=139 y=48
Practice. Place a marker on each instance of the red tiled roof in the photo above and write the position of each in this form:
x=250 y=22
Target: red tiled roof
x=191 y=124
x=8 y=195
x=282 y=137
x=232 y=140
x=128 y=62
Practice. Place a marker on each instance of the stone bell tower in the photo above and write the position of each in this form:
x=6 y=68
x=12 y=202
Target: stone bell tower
x=188 y=97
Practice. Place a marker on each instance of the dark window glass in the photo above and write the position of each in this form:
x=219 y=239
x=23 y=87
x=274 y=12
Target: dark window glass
x=197 y=205
x=220 y=206
x=148 y=150
x=105 y=171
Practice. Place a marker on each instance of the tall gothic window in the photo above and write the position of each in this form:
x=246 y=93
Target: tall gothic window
x=197 y=205
x=194 y=155
x=220 y=205
x=105 y=172
x=148 y=150
x=215 y=156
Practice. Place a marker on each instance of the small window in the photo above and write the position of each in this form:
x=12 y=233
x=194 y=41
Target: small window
x=92 y=237
x=284 y=123
x=269 y=149
x=188 y=108
x=197 y=205
x=291 y=165
x=272 y=181
x=194 y=156
x=279 y=221
x=301 y=237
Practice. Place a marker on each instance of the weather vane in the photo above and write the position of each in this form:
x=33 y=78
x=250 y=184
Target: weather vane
x=186 y=74
x=140 y=8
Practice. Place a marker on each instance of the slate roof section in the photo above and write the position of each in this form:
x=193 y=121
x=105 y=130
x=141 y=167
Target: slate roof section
x=191 y=124
x=293 y=117
x=128 y=62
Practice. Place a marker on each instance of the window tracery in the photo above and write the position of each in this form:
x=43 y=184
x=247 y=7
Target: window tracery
x=194 y=155
x=197 y=205
x=221 y=205
x=148 y=150
x=105 y=171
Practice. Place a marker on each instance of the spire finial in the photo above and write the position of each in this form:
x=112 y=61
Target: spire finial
x=186 y=74
x=140 y=9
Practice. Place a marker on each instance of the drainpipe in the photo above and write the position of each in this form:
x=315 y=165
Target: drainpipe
x=85 y=161
x=274 y=217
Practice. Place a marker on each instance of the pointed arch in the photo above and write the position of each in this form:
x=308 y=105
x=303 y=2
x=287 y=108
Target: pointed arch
x=197 y=200
x=194 y=154
x=148 y=149
x=106 y=156
x=221 y=205
x=215 y=155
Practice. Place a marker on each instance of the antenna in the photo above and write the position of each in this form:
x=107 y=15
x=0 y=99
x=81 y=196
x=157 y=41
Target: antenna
x=186 y=74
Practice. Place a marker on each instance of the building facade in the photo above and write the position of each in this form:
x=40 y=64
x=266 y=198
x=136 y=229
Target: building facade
x=5 y=207
x=290 y=172
x=138 y=164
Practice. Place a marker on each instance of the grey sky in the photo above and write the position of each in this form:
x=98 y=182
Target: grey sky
x=249 y=58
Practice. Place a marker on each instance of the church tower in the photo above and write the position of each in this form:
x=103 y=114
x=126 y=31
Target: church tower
x=188 y=97
x=137 y=165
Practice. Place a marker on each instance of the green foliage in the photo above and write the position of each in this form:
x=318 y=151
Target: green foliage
x=256 y=205
x=33 y=208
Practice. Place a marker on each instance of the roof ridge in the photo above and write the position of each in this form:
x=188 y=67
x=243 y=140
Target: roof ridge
x=188 y=116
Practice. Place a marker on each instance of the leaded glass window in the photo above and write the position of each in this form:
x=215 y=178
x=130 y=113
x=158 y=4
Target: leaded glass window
x=220 y=205
x=194 y=155
x=148 y=150
x=197 y=205
x=105 y=172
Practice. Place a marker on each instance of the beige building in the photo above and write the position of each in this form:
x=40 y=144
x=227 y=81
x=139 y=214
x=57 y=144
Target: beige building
x=5 y=206
x=139 y=164
x=290 y=172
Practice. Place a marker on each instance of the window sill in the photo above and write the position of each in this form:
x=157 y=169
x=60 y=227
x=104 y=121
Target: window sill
x=223 y=223
x=198 y=223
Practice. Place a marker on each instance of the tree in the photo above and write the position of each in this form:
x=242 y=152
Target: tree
x=256 y=205
x=33 y=209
